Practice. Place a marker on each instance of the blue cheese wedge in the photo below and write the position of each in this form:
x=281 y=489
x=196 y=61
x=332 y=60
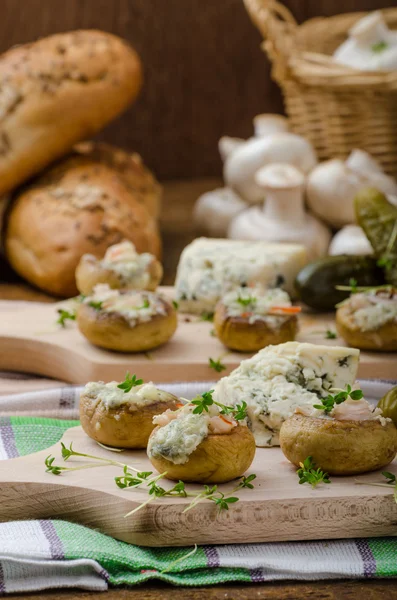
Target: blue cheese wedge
x=209 y=268
x=279 y=379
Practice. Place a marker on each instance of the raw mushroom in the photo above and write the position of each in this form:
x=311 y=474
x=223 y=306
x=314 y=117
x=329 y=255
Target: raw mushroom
x=350 y=240
x=371 y=45
x=283 y=217
x=333 y=184
x=214 y=211
x=242 y=164
x=268 y=124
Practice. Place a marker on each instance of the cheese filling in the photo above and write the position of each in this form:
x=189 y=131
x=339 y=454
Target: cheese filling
x=255 y=304
x=135 y=305
x=372 y=309
x=279 y=379
x=114 y=397
x=179 y=438
x=130 y=266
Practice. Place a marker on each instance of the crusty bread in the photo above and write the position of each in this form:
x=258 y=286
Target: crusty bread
x=137 y=178
x=74 y=208
x=58 y=91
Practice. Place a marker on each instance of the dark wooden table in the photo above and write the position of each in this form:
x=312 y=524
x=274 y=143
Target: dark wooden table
x=177 y=231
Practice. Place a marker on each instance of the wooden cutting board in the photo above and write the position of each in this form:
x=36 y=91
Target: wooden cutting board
x=31 y=341
x=278 y=509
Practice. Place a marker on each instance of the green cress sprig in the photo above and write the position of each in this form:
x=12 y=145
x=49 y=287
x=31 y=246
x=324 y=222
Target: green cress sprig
x=309 y=473
x=217 y=365
x=133 y=478
x=129 y=382
x=328 y=403
x=65 y=315
x=391 y=480
x=202 y=403
x=248 y=301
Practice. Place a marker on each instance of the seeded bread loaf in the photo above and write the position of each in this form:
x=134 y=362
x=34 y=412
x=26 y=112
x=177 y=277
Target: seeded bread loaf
x=77 y=207
x=58 y=91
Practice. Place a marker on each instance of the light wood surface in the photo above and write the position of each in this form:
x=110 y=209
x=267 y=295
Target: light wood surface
x=32 y=341
x=277 y=509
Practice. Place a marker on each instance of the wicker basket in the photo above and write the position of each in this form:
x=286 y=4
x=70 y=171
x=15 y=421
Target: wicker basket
x=336 y=107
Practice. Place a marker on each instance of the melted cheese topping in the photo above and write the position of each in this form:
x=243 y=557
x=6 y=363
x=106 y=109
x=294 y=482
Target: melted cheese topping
x=131 y=267
x=279 y=379
x=135 y=305
x=113 y=397
x=372 y=309
x=255 y=304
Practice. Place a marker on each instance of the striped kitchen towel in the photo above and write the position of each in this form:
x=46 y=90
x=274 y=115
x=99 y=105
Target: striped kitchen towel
x=37 y=555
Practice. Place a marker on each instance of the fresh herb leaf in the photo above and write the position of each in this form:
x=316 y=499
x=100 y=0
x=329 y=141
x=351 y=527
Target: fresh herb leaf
x=386 y=262
x=328 y=403
x=207 y=316
x=379 y=47
x=391 y=478
x=65 y=315
x=129 y=382
x=145 y=304
x=246 y=482
x=248 y=301
x=353 y=284
x=309 y=473
x=175 y=304
x=202 y=403
x=217 y=365
x=330 y=335
x=97 y=304
x=213 y=333
x=240 y=412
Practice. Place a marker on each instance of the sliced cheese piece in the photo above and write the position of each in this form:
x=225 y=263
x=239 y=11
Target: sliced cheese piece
x=208 y=268
x=280 y=378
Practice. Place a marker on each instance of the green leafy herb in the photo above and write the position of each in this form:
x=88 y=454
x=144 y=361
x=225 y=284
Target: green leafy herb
x=309 y=473
x=330 y=335
x=129 y=382
x=202 y=403
x=392 y=479
x=217 y=365
x=65 y=315
x=328 y=403
x=248 y=301
x=207 y=316
x=212 y=333
x=175 y=304
x=379 y=47
x=386 y=262
x=145 y=304
x=353 y=284
x=95 y=304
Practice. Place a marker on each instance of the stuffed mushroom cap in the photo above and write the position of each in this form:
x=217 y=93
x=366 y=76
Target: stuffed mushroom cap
x=202 y=448
x=248 y=319
x=355 y=439
x=121 y=419
x=126 y=320
x=368 y=320
x=121 y=268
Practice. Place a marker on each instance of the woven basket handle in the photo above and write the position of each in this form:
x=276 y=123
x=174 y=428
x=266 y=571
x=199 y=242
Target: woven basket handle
x=266 y=14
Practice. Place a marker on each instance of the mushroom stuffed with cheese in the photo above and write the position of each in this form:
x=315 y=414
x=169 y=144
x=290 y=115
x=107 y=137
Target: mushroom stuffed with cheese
x=126 y=320
x=209 y=447
x=248 y=319
x=121 y=268
x=121 y=415
x=351 y=438
x=368 y=320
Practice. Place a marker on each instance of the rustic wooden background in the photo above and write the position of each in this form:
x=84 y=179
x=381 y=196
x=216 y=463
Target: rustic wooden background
x=205 y=74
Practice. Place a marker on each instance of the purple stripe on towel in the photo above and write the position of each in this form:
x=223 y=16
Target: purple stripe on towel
x=212 y=556
x=8 y=439
x=56 y=547
x=67 y=397
x=369 y=562
x=2 y=580
x=257 y=575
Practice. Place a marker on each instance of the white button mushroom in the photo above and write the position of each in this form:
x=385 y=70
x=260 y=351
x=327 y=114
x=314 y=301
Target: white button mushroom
x=350 y=240
x=214 y=211
x=333 y=184
x=283 y=217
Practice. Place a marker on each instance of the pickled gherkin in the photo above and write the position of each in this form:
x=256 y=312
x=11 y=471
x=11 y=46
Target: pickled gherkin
x=378 y=219
x=388 y=404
